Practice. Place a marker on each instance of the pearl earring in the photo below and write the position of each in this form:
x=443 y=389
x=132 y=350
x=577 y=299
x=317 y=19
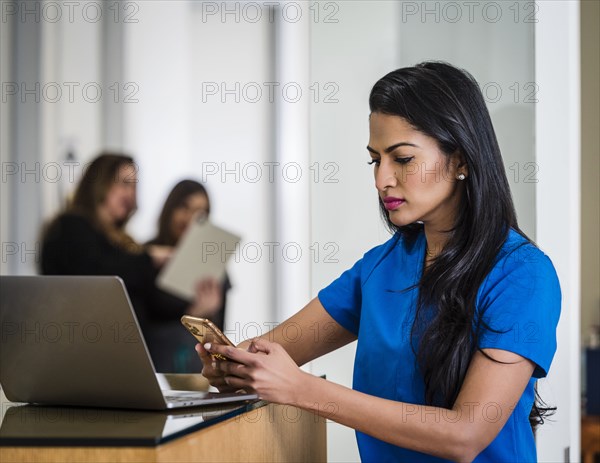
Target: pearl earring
x=461 y=176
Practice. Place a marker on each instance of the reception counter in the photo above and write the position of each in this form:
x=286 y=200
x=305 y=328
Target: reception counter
x=253 y=431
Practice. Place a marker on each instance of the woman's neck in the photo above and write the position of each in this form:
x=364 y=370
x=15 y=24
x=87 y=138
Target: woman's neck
x=435 y=240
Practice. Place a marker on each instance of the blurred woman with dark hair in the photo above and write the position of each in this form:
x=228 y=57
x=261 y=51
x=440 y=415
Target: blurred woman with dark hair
x=185 y=200
x=89 y=238
x=170 y=343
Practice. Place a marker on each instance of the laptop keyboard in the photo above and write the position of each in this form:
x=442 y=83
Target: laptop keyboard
x=183 y=398
x=189 y=398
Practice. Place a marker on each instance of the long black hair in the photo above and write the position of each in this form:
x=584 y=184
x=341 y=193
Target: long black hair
x=446 y=103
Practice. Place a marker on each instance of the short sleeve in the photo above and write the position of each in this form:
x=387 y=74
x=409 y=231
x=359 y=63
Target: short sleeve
x=342 y=298
x=520 y=306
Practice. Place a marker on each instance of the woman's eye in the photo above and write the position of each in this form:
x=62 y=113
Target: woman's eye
x=373 y=161
x=404 y=160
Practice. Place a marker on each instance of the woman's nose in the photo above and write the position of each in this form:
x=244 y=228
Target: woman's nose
x=385 y=175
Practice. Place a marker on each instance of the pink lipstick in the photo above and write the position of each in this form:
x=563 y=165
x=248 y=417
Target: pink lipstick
x=392 y=203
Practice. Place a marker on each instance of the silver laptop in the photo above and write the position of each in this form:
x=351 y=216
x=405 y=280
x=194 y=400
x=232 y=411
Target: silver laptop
x=75 y=340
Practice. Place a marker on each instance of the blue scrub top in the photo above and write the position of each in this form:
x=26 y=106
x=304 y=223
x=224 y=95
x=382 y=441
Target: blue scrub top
x=522 y=299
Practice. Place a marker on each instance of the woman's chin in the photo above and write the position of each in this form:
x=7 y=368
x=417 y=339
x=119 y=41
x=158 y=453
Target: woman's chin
x=398 y=219
x=122 y=216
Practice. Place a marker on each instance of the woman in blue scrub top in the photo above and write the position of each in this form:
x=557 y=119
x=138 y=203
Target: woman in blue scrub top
x=455 y=315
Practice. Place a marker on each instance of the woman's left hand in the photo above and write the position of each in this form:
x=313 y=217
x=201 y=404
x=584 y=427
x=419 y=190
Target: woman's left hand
x=208 y=300
x=265 y=368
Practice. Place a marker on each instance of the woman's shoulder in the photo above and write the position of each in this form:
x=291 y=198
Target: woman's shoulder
x=378 y=252
x=71 y=218
x=518 y=249
x=68 y=223
x=520 y=259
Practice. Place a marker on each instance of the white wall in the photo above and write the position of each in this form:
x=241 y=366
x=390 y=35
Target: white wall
x=176 y=55
x=71 y=58
x=494 y=41
x=6 y=237
x=557 y=69
x=54 y=61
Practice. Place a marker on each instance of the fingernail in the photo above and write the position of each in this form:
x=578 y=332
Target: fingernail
x=207 y=346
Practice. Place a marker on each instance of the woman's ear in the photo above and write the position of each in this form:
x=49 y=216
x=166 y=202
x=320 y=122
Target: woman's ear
x=461 y=164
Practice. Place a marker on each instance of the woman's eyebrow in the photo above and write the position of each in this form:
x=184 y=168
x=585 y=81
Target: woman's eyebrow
x=389 y=149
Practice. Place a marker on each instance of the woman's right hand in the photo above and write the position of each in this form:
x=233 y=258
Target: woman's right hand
x=211 y=370
x=160 y=254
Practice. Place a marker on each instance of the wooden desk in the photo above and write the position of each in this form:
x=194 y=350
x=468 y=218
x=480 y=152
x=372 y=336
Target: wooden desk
x=254 y=432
